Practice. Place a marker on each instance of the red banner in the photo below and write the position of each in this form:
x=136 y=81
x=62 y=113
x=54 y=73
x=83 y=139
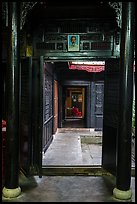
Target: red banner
x=88 y=68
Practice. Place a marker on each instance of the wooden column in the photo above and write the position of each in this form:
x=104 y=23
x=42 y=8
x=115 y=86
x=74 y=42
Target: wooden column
x=123 y=178
x=12 y=188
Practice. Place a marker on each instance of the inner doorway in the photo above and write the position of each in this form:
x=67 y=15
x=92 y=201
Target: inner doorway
x=74 y=107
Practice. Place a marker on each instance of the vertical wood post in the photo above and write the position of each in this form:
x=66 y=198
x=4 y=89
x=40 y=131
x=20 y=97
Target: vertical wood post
x=12 y=188
x=123 y=178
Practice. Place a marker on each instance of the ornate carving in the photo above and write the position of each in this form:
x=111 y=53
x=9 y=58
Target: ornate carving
x=25 y=7
x=118 y=9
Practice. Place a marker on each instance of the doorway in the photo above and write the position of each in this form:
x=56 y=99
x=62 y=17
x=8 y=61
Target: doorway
x=74 y=107
x=40 y=125
x=74 y=143
x=74 y=103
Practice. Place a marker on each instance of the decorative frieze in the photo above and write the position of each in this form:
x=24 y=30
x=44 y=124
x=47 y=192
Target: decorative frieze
x=117 y=6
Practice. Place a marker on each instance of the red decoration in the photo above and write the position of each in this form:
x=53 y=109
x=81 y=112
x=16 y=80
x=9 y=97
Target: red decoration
x=88 y=68
x=76 y=112
x=3 y=123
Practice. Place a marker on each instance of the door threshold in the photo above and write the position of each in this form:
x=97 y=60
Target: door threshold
x=74 y=171
x=61 y=170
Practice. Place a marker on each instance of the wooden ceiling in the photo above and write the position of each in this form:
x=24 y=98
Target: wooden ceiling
x=71 y=10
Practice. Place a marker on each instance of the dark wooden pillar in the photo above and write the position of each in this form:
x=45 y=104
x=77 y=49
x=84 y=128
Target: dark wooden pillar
x=12 y=188
x=123 y=177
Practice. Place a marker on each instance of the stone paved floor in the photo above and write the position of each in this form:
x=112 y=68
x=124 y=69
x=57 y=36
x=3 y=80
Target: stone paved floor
x=73 y=146
x=68 y=189
x=67 y=148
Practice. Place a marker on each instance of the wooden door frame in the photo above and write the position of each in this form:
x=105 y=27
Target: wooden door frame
x=87 y=87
